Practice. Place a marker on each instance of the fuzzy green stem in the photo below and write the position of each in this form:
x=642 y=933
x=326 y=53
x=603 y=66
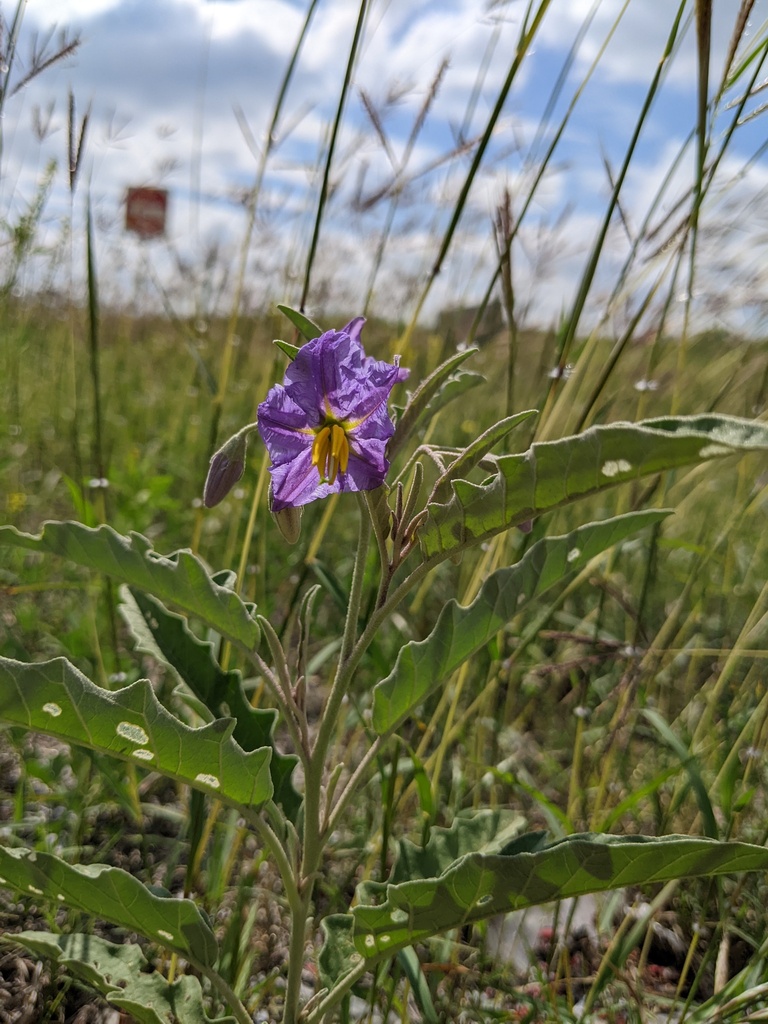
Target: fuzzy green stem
x=227 y=994
x=284 y=701
x=342 y=677
x=271 y=841
x=300 y=925
x=338 y=992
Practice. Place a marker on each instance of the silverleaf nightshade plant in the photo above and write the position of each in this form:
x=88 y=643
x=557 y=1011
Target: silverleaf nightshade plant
x=328 y=431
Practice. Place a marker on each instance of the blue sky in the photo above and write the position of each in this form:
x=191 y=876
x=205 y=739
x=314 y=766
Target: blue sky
x=163 y=78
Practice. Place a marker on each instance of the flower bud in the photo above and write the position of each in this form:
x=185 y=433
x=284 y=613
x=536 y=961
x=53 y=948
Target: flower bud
x=288 y=520
x=226 y=468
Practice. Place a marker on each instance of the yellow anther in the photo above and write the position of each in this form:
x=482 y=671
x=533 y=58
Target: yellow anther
x=340 y=447
x=330 y=452
x=320 y=449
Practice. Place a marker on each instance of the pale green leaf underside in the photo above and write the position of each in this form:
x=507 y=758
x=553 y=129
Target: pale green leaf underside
x=462 y=630
x=180 y=579
x=478 y=885
x=111 y=894
x=55 y=698
x=554 y=473
x=122 y=975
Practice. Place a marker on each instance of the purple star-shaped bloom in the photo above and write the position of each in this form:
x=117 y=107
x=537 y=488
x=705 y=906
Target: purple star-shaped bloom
x=326 y=427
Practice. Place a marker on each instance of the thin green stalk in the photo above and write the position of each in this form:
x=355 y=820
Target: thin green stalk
x=93 y=351
x=703 y=38
x=527 y=34
x=227 y=994
x=280 y=857
x=230 y=342
x=337 y=993
x=300 y=926
x=332 y=149
x=10 y=53
x=283 y=701
x=342 y=676
x=543 y=163
x=312 y=838
x=569 y=332
x=354 y=781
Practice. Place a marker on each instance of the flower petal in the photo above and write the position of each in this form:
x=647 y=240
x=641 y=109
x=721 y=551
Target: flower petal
x=354 y=328
x=284 y=426
x=297 y=482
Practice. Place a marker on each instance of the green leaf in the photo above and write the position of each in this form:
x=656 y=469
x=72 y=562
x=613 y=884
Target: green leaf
x=427 y=393
x=112 y=894
x=167 y=637
x=555 y=473
x=480 y=885
x=181 y=579
x=462 y=630
x=302 y=323
x=338 y=955
x=55 y=698
x=689 y=763
x=285 y=346
x=479 y=448
x=123 y=976
x=485 y=831
x=410 y=963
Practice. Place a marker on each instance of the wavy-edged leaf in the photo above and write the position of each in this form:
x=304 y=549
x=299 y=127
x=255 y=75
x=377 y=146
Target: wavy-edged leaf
x=114 y=895
x=56 y=698
x=554 y=473
x=461 y=630
x=303 y=324
x=338 y=955
x=479 y=885
x=123 y=976
x=167 y=637
x=484 y=831
x=427 y=393
x=181 y=579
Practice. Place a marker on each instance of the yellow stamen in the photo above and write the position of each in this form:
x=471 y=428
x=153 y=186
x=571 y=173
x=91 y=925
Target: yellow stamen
x=330 y=452
x=340 y=447
x=320 y=448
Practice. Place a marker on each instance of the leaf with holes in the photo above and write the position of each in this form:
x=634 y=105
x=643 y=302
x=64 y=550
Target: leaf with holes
x=181 y=579
x=167 y=637
x=55 y=698
x=526 y=873
x=555 y=473
x=462 y=630
x=112 y=894
x=123 y=976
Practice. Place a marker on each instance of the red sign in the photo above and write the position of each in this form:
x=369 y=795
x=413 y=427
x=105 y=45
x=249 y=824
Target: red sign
x=145 y=210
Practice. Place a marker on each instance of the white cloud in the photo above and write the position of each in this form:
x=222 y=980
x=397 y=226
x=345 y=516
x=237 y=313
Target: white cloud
x=163 y=78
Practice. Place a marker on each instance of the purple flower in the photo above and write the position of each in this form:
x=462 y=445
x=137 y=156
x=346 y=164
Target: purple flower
x=326 y=427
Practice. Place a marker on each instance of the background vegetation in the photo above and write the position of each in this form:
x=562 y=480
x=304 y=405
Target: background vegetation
x=633 y=701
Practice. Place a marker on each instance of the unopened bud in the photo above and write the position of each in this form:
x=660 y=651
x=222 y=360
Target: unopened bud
x=226 y=468
x=288 y=520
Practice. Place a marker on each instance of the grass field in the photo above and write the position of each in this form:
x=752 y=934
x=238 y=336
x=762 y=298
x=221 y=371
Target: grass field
x=630 y=699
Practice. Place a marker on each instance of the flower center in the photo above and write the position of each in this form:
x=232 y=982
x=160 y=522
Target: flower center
x=330 y=452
